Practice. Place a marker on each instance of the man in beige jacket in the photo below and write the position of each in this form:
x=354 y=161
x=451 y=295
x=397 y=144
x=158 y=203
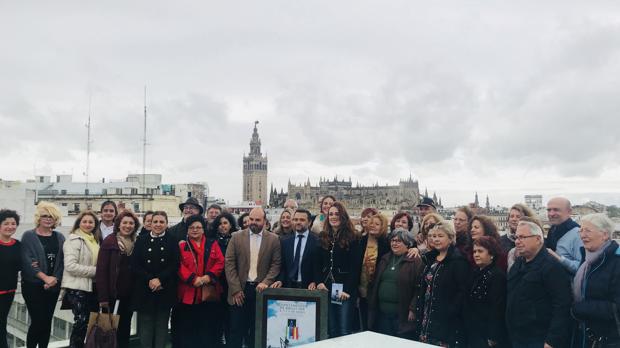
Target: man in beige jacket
x=252 y=265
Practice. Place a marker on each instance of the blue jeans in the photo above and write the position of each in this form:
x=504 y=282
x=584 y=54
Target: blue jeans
x=341 y=317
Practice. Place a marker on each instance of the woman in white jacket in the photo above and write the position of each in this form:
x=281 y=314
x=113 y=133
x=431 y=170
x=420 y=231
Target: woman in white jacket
x=81 y=250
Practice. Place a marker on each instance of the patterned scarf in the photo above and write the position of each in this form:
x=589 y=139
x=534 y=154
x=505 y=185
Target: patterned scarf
x=125 y=244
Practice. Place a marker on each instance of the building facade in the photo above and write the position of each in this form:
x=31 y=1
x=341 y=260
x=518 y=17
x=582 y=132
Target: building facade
x=404 y=196
x=255 y=172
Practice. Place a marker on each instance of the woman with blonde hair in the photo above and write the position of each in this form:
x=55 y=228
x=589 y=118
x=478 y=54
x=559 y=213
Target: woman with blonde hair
x=373 y=245
x=285 y=225
x=81 y=252
x=429 y=221
x=42 y=270
x=515 y=214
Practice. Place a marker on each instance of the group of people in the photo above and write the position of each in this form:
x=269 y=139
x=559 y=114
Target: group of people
x=449 y=283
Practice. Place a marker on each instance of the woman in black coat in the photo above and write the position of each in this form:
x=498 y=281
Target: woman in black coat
x=443 y=288
x=596 y=288
x=486 y=302
x=155 y=262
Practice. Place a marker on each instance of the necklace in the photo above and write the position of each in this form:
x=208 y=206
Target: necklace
x=396 y=261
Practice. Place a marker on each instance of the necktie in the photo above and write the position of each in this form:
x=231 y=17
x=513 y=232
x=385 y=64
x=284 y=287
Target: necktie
x=297 y=257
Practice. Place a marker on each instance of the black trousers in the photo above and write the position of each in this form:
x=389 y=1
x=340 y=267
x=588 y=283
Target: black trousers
x=193 y=325
x=242 y=319
x=125 y=313
x=41 y=304
x=222 y=324
x=5 y=305
x=82 y=303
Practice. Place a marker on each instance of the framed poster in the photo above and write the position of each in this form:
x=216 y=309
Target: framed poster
x=290 y=317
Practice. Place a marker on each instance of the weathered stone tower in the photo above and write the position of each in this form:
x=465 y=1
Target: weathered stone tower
x=255 y=172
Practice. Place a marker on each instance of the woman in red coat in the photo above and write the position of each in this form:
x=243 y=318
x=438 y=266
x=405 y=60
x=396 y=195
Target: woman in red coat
x=201 y=264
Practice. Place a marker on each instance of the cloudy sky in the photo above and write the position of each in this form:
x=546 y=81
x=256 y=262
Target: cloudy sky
x=502 y=98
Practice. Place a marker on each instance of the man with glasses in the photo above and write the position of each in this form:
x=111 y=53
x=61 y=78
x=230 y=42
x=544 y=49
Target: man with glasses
x=189 y=208
x=539 y=293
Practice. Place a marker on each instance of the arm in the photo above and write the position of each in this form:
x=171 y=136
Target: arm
x=282 y=275
x=497 y=295
x=230 y=266
x=30 y=261
x=216 y=262
x=568 y=250
x=102 y=275
x=274 y=267
x=72 y=250
x=186 y=266
x=353 y=279
x=601 y=309
x=557 y=283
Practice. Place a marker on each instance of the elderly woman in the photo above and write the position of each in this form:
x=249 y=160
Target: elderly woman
x=154 y=264
x=10 y=259
x=393 y=296
x=42 y=269
x=324 y=205
x=429 y=221
x=81 y=252
x=373 y=245
x=486 y=302
x=596 y=287
x=444 y=286
x=285 y=225
x=201 y=265
x=114 y=278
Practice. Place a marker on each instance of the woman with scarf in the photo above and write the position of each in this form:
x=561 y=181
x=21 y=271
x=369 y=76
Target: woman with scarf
x=114 y=279
x=199 y=290
x=596 y=287
x=154 y=264
x=81 y=251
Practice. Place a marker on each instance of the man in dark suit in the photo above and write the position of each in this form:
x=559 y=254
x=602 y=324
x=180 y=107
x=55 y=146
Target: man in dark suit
x=252 y=264
x=298 y=254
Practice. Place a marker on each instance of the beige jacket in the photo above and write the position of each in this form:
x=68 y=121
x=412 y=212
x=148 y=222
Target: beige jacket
x=237 y=265
x=79 y=271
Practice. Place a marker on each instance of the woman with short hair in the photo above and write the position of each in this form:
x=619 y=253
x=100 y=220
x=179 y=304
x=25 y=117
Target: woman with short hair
x=78 y=280
x=486 y=301
x=596 y=287
x=516 y=212
x=202 y=263
x=444 y=286
x=10 y=259
x=114 y=278
x=365 y=216
x=429 y=221
x=147 y=218
x=392 y=300
x=401 y=220
x=42 y=270
x=154 y=263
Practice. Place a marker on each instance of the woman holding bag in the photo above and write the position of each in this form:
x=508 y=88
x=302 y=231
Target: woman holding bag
x=201 y=265
x=114 y=278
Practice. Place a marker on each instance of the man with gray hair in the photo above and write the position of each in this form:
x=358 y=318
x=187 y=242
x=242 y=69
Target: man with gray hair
x=563 y=240
x=539 y=294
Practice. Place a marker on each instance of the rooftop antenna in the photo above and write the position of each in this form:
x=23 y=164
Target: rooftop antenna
x=88 y=142
x=144 y=143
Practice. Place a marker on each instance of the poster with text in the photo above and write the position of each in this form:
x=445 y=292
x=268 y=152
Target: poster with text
x=290 y=323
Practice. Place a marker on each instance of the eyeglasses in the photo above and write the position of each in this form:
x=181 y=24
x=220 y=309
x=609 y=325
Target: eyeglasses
x=46 y=217
x=189 y=207
x=195 y=228
x=397 y=241
x=521 y=238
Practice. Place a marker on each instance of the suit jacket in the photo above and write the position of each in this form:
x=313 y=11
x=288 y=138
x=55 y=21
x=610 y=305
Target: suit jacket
x=307 y=260
x=237 y=264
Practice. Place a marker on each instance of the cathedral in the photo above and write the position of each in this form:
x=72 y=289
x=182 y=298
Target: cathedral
x=404 y=196
x=255 y=172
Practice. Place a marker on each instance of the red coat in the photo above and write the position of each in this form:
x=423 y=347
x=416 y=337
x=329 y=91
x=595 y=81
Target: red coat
x=212 y=263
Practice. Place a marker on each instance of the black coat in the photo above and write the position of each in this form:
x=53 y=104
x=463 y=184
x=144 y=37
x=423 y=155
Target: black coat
x=287 y=248
x=538 y=301
x=450 y=287
x=345 y=270
x=179 y=231
x=155 y=258
x=602 y=284
x=485 y=308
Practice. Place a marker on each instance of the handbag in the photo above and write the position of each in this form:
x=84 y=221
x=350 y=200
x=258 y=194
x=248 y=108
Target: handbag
x=209 y=293
x=101 y=333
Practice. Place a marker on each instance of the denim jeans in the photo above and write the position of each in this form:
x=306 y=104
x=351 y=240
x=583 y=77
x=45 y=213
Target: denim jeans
x=341 y=317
